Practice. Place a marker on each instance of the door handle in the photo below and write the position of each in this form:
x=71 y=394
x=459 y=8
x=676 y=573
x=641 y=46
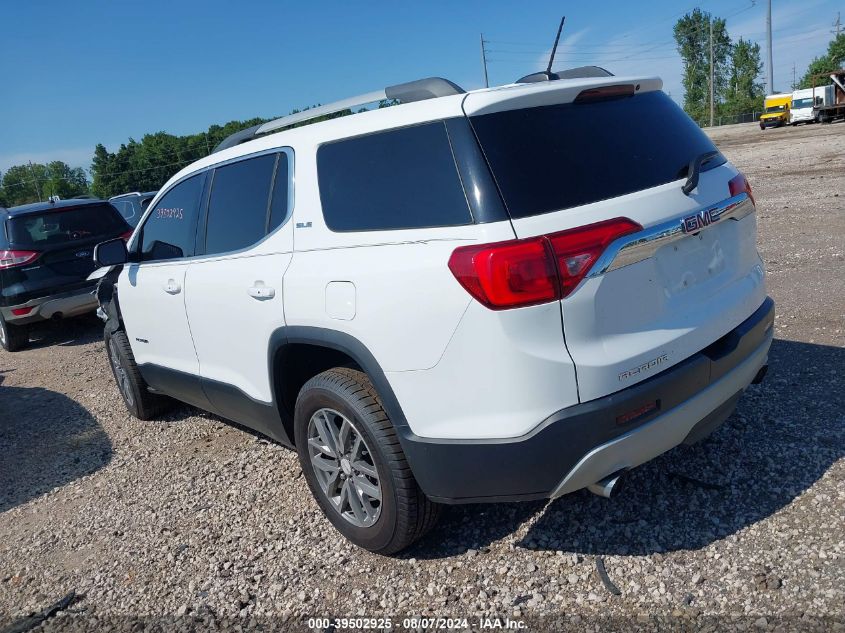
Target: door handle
x=260 y=291
x=172 y=288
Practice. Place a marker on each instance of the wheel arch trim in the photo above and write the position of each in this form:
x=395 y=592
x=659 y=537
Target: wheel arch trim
x=341 y=342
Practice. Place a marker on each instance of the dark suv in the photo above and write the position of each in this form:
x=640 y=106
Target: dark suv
x=132 y=205
x=46 y=255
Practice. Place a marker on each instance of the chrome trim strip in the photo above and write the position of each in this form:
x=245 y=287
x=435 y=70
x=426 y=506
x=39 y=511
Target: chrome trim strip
x=640 y=246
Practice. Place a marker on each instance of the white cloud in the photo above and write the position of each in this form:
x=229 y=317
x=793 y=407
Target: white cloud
x=784 y=17
x=565 y=44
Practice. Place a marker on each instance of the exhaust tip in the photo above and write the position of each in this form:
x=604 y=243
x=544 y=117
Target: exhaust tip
x=608 y=486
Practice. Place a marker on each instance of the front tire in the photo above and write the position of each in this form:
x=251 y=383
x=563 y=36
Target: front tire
x=13 y=338
x=132 y=386
x=354 y=465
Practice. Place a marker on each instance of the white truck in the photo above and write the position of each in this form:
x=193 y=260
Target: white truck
x=805 y=100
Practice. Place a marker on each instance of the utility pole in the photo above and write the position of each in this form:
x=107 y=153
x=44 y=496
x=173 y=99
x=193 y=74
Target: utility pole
x=837 y=24
x=35 y=180
x=793 y=76
x=770 y=74
x=484 y=61
x=712 y=73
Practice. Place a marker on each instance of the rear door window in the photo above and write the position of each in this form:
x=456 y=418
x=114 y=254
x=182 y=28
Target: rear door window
x=399 y=179
x=280 y=206
x=560 y=156
x=239 y=204
x=169 y=231
x=65 y=225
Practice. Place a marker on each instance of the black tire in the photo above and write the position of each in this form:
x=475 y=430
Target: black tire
x=13 y=338
x=131 y=385
x=405 y=513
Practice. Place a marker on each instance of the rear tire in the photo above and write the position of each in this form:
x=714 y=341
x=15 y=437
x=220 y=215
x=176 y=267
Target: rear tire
x=13 y=338
x=132 y=386
x=354 y=465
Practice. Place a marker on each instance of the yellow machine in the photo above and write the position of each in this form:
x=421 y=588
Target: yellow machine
x=776 y=113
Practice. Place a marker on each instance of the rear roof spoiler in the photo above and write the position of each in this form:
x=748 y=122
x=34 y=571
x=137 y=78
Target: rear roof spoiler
x=418 y=90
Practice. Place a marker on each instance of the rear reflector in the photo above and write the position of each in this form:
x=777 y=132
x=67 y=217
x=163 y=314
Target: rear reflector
x=22 y=311
x=739 y=184
x=519 y=273
x=639 y=412
x=10 y=259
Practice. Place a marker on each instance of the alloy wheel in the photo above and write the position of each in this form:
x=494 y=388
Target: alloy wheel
x=344 y=467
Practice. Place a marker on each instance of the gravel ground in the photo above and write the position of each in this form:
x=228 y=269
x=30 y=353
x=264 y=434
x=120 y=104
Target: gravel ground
x=191 y=521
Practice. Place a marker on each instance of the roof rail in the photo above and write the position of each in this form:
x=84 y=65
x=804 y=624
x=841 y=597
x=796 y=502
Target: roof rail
x=409 y=92
x=570 y=73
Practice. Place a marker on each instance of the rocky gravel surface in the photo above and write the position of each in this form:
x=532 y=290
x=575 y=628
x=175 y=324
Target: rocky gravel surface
x=190 y=522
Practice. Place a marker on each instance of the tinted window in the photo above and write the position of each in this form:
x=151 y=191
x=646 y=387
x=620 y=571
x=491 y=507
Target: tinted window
x=279 y=207
x=170 y=230
x=555 y=157
x=65 y=225
x=126 y=208
x=238 y=206
x=392 y=180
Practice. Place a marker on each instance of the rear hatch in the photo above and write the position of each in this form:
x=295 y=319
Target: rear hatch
x=55 y=249
x=566 y=155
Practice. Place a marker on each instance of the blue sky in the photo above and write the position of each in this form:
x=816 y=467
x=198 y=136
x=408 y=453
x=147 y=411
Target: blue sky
x=78 y=73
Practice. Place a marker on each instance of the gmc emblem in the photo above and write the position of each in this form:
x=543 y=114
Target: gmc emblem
x=694 y=223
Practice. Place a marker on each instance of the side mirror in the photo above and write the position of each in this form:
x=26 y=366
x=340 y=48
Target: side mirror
x=111 y=253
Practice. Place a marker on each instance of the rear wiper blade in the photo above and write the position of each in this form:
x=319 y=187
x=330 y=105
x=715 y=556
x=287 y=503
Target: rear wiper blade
x=694 y=170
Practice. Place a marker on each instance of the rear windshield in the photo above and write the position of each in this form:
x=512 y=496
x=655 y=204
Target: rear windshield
x=556 y=157
x=65 y=225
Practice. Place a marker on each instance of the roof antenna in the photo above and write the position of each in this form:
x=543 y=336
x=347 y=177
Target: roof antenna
x=554 y=49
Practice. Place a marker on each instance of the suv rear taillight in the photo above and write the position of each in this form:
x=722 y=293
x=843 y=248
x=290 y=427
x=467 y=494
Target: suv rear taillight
x=519 y=273
x=10 y=259
x=738 y=184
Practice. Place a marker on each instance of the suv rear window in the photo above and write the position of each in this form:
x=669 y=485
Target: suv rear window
x=555 y=157
x=65 y=225
x=399 y=179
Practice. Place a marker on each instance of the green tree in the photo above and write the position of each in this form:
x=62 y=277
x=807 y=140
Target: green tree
x=692 y=36
x=148 y=164
x=33 y=182
x=833 y=59
x=64 y=181
x=743 y=92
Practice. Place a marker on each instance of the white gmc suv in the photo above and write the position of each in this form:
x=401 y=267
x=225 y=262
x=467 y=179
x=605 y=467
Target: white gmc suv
x=497 y=295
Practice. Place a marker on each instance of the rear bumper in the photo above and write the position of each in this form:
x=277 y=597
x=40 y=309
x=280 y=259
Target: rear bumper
x=65 y=304
x=581 y=445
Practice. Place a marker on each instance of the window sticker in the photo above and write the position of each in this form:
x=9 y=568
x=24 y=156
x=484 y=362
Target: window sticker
x=173 y=213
